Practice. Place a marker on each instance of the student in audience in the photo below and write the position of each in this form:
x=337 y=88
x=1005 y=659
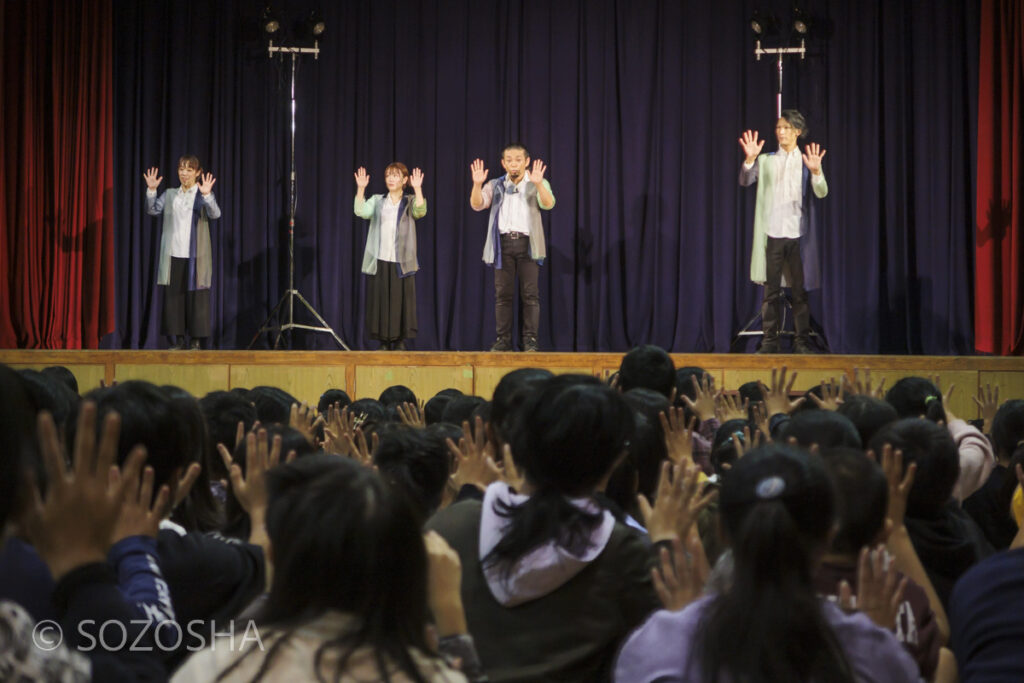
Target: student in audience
x=273 y=405
x=552 y=582
x=648 y=367
x=946 y=539
x=862 y=500
x=989 y=506
x=198 y=509
x=416 y=463
x=777 y=510
x=919 y=397
x=63 y=375
x=825 y=428
x=987 y=622
x=351 y=604
x=460 y=409
x=332 y=397
x=223 y=411
x=868 y=414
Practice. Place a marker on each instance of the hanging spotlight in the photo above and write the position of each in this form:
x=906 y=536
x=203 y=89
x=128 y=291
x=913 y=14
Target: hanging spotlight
x=757 y=23
x=269 y=22
x=316 y=24
x=800 y=21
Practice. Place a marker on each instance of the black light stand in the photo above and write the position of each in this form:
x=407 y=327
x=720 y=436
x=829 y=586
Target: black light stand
x=273 y=322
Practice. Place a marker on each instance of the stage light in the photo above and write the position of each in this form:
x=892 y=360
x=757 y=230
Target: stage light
x=316 y=24
x=800 y=21
x=269 y=21
x=757 y=24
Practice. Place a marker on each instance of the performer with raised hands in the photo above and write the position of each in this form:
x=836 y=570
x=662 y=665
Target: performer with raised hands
x=186 y=266
x=785 y=224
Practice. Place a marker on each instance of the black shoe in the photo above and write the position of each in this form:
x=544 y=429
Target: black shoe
x=502 y=344
x=801 y=346
x=769 y=347
x=398 y=345
x=177 y=343
x=530 y=344
x=194 y=346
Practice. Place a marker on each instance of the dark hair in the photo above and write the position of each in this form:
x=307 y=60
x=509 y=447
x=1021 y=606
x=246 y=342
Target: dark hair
x=199 y=511
x=433 y=410
x=330 y=397
x=272 y=404
x=647 y=447
x=20 y=452
x=777 y=507
x=49 y=393
x=648 y=367
x=461 y=408
x=236 y=520
x=1008 y=441
x=369 y=411
x=416 y=463
x=723 y=447
x=190 y=160
x=515 y=145
x=752 y=393
x=862 y=497
x=223 y=410
x=62 y=375
x=513 y=388
x=826 y=428
x=397 y=394
x=149 y=417
x=372 y=564
x=868 y=414
x=797 y=120
x=816 y=391
x=938 y=461
x=916 y=396
x=684 y=382
x=568 y=435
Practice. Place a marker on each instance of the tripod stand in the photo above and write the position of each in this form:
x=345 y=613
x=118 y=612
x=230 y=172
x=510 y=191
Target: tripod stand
x=287 y=302
x=817 y=333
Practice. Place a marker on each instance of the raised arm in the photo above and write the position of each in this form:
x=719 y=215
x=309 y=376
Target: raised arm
x=419 y=207
x=751 y=147
x=154 y=203
x=812 y=156
x=545 y=198
x=206 y=182
x=361 y=207
x=476 y=196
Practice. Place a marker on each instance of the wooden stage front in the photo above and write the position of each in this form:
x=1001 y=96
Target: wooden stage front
x=307 y=374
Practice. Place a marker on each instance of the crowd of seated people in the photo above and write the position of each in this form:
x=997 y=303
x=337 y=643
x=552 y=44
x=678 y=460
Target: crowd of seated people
x=650 y=527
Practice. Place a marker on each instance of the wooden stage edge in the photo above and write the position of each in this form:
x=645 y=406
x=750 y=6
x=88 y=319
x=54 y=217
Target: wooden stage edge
x=307 y=374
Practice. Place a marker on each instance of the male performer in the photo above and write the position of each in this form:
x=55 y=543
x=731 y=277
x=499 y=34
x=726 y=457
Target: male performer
x=185 y=263
x=785 y=230
x=515 y=237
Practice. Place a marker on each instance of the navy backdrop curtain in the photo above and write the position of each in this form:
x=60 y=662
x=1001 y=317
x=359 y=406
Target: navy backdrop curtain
x=635 y=105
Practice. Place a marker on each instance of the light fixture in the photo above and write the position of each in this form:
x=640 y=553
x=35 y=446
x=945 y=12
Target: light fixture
x=316 y=24
x=757 y=23
x=269 y=22
x=800 y=21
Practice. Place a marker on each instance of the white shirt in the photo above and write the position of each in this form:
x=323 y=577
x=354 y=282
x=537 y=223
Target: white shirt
x=184 y=202
x=514 y=214
x=788 y=199
x=388 y=229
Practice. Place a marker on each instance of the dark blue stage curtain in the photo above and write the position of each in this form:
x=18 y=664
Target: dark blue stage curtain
x=636 y=106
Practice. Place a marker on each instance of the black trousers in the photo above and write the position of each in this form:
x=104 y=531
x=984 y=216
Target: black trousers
x=515 y=260
x=783 y=255
x=390 y=304
x=185 y=312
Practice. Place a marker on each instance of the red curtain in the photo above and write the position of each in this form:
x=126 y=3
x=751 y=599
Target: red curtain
x=999 y=288
x=56 y=207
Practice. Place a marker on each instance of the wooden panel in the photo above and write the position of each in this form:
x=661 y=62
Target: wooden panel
x=88 y=376
x=198 y=380
x=805 y=377
x=487 y=378
x=305 y=382
x=425 y=381
x=966 y=382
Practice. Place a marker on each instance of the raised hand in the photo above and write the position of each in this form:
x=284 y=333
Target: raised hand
x=751 y=145
x=411 y=414
x=812 y=157
x=899 y=483
x=140 y=513
x=863 y=386
x=988 y=404
x=831 y=395
x=206 y=182
x=251 y=488
x=305 y=419
x=679 y=501
x=703 y=406
x=341 y=427
x=416 y=179
x=474 y=458
x=153 y=178
x=478 y=171
x=878 y=594
x=362 y=178
x=731 y=408
x=776 y=397
x=678 y=436
x=680 y=577
x=537 y=172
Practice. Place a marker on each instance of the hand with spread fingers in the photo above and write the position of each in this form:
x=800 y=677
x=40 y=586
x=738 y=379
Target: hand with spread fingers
x=305 y=419
x=987 y=401
x=831 y=395
x=879 y=594
x=730 y=407
x=474 y=463
x=339 y=431
x=862 y=384
x=704 y=403
x=680 y=576
x=411 y=414
x=678 y=438
x=776 y=397
x=678 y=502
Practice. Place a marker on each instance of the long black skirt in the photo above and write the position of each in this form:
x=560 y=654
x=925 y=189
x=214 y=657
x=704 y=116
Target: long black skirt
x=390 y=304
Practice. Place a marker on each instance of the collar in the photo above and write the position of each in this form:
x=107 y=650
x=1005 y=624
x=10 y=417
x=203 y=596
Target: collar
x=519 y=185
x=192 y=190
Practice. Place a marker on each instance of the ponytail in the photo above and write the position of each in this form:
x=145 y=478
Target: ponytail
x=769 y=624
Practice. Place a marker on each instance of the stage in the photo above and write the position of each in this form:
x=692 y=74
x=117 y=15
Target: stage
x=307 y=374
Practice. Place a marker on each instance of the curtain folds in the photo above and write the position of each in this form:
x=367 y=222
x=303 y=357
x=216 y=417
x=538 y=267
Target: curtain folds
x=999 y=316
x=56 y=214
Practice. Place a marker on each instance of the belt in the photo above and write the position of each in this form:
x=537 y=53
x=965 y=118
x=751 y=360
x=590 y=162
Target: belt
x=514 y=235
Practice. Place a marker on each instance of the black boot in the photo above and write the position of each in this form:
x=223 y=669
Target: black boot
x=177 y=343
